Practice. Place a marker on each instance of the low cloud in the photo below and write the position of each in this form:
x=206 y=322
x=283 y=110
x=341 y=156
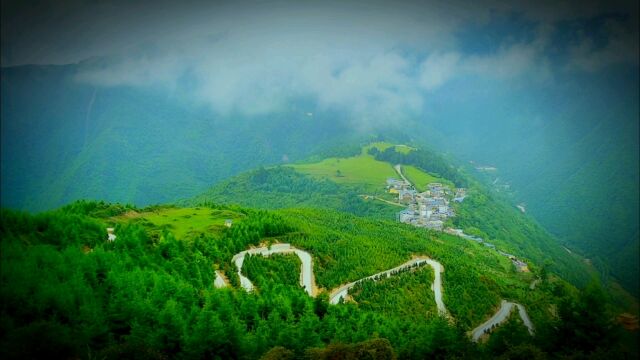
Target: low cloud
x=376 y=63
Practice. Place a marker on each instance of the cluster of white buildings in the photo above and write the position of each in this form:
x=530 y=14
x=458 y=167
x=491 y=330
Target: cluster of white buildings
x=428 y=209
x=431 y=208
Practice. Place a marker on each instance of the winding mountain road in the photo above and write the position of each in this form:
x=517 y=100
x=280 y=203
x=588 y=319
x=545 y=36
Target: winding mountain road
x=499 y=317
x=307 y=280
x=220 y=280
x=341 y=291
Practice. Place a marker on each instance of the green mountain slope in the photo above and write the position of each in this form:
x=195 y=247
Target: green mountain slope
x=63 y=140
x=66 y=289
x=570 y=153
x=482 y=213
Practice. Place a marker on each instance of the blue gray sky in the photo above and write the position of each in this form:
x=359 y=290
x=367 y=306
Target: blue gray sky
x=375 y=59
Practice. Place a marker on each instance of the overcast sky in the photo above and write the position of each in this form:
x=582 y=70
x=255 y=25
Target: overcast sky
x=371 y=57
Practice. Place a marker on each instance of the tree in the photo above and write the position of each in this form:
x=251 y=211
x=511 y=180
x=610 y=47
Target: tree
x=278 y=353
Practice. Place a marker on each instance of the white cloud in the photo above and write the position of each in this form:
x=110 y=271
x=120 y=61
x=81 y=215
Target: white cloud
x=376 y=62
x=438 y=68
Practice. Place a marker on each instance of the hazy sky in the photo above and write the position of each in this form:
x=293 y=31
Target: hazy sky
x=371 y=58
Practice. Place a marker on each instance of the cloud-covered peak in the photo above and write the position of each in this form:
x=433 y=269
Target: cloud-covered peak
x=373 y=59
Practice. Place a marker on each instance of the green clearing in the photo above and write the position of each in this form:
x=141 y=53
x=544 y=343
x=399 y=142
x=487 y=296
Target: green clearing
x=361 y=170
x=382 y=146
x=404 y=149
x=421 y=179
x=183 y=222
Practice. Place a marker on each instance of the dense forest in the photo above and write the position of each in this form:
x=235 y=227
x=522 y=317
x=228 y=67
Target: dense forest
x=104 y=138
x=483 y=213
x=281 y=187
x=67 y=291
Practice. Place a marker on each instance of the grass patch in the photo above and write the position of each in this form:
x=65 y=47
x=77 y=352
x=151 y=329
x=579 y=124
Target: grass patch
x=421 y=179
x=382 y=146
x=361 y=170
x=404 y=149
x=185 y=222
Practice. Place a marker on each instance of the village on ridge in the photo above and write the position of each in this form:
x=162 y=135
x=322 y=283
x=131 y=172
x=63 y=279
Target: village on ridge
x=431 y=208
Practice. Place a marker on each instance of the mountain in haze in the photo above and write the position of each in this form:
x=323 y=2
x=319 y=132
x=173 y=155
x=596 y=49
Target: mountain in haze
x=64 y=140
x=211 y=280
x=569 y=152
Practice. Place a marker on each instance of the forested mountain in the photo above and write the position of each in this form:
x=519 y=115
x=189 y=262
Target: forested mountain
x=63 y=140
x=569 y=151
x=329 y=180
x=483 y=213
x=67 y=290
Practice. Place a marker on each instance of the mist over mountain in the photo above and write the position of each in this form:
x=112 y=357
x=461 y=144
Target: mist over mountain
x=156 y=102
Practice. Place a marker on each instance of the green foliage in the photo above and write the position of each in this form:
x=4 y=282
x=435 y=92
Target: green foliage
x=375 y=349
x=362 y=170
x=407 y=295
x=425 y=160
x=275 y=270
x=155 y=297
x=283 y=187
x=97 y=209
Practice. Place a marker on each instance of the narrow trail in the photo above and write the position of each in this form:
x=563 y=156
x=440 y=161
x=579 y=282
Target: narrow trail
x=383 y=200
x=399 y=171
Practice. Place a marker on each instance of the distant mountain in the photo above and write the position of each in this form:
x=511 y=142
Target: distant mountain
x=569 y=151
x=63 y=140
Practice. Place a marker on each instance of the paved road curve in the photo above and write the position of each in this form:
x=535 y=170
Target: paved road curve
x=500 y=316
x=341 y=291
x=220 y=281
x=306 y=268
x=307 y=280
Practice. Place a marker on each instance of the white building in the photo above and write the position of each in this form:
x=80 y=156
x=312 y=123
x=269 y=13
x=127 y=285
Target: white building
x=110 y=235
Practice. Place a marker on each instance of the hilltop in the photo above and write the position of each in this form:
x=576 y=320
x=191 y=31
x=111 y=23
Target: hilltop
x=355 y=182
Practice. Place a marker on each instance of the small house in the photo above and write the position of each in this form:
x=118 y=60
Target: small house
x=435 y=224
x=405 y=216
x=406 y=196
x=110 y=235
x=228 y=223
